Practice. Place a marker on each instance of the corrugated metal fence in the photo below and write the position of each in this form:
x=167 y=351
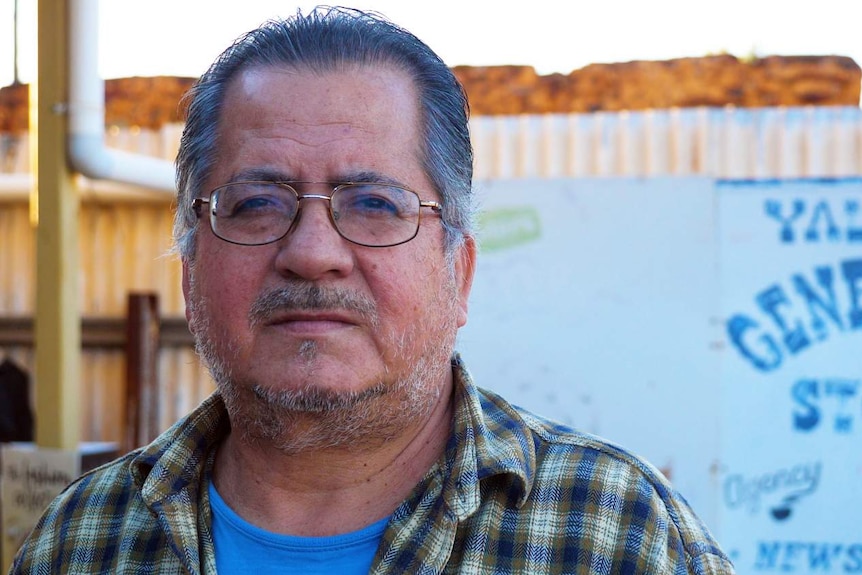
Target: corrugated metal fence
x=125 y=241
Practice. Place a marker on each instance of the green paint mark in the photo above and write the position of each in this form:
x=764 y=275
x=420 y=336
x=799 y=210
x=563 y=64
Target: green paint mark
x=508 y=227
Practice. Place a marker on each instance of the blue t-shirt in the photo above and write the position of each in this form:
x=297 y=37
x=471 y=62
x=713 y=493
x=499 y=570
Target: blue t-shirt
x=240 y=547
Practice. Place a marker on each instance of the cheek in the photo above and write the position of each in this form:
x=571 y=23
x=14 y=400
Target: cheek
x=226 y=287
x=406 y=294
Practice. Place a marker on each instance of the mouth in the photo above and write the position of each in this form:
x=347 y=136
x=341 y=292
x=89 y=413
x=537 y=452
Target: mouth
x=311 y=323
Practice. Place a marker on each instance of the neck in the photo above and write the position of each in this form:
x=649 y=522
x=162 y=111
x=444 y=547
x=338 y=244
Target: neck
x=318 y=492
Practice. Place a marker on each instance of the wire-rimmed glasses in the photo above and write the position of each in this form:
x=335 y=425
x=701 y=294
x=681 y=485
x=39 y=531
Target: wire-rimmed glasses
x=253 y=213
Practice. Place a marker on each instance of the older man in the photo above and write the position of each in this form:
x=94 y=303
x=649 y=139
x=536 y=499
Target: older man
x=324 y=223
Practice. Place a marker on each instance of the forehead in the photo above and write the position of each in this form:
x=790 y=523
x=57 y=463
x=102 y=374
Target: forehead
x=314 y=124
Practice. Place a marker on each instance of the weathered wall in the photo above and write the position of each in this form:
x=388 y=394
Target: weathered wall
x=497 y=90
x=133 y=235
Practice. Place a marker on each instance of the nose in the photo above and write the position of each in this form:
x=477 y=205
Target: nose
x=312 y=249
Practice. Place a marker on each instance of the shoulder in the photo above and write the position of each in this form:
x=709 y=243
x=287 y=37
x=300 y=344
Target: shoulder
x=97 y=490
x=125 y=512
x=561 y=449
x=84 y=519
x=565 y=449
x=590 y=485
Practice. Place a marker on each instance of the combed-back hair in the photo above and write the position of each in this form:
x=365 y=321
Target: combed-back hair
x=330 y=39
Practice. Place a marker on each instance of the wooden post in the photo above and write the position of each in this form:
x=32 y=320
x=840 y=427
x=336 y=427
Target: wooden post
x=58 y=323
x=142 y=375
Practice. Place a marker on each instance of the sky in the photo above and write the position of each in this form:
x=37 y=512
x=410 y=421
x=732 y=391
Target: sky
x=182 y=37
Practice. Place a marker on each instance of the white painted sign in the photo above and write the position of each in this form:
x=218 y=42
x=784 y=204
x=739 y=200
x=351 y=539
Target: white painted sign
x=713 y=327
x=791 y=287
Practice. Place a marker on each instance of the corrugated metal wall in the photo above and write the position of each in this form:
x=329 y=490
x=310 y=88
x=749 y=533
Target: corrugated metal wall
x=125 y=242
x=718 y=142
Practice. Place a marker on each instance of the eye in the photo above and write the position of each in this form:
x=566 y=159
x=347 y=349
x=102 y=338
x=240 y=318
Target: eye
x=254 y=200
x=255 y=203
x=373 y=201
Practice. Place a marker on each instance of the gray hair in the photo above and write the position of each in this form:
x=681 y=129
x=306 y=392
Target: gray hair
x=325 y=40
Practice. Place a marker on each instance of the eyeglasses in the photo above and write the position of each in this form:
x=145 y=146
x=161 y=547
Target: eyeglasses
x=368 y=214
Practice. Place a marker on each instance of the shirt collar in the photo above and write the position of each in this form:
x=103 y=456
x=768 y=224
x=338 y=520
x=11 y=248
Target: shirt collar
x=490 y=442
x=175 y=461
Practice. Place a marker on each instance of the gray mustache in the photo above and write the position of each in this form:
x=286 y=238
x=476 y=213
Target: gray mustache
x=310 y=297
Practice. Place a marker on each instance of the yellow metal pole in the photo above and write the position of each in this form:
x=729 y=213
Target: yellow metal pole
x=58 y=324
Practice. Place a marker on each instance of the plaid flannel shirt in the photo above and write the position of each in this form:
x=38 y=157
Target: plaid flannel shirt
x=513 y=494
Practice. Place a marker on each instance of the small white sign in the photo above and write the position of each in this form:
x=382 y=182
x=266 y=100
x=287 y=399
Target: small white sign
x=30 y=478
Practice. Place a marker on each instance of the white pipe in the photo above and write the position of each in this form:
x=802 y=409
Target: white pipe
x=86 y=140
x=15 y=186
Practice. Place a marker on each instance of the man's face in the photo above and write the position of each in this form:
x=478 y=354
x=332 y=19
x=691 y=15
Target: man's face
x=312 y=323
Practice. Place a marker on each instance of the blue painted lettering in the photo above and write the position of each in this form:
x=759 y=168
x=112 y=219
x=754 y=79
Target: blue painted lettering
x=779 y=489
x=824 y=279
x=793 y=552
x=844 y=390
x=854 y=559
x=737 y=327
x=767 y=555
x=811 y=307
x=832 y=232
x=826 y=220
x=821 y=556
x=813 y=397
x=805 y=394
x=808 y=556
x=769 y=301
x=774 y=211
x=854 y=232
x=853 y=276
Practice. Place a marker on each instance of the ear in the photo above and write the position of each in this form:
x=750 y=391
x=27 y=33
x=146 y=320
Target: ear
x=465 y=266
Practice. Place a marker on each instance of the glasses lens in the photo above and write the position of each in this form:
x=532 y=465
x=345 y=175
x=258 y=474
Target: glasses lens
x=375 y=214
x=253 y=213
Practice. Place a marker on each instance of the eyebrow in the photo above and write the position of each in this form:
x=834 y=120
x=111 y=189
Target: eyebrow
x=261 y=175
x=370 y=176
x=275 y=175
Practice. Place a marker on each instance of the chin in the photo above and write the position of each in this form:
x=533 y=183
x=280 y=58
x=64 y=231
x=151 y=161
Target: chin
x=316 y=415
